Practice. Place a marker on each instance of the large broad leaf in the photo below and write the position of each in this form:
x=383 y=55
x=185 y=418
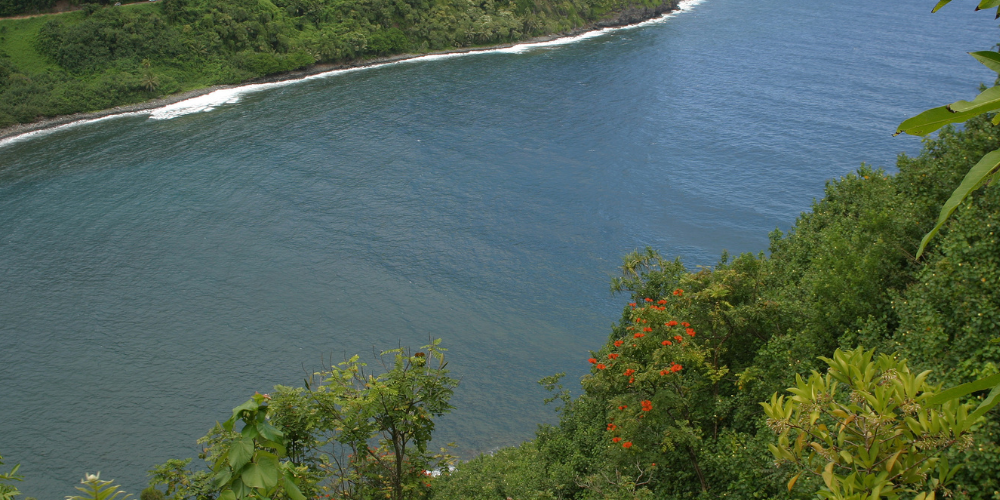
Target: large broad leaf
x=989 y=59
x=987 y=100
x=240 y=452
x=931 y=120
x=987 y=4
x=977 y=175
x=270 y=432
x=264 y=473
x=227 y=495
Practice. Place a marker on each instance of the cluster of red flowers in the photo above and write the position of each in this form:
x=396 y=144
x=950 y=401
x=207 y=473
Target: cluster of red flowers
x=674 y=367
x=689 y=331
x=623 y=407
x=670 y=323
x=618 y=343
x=639 y=335
x=613 y=355
x=612 y=427
x=647 y=405
x=678 y=292
x=667 y=342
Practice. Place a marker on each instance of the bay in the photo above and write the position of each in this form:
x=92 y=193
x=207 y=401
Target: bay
x=156 y=272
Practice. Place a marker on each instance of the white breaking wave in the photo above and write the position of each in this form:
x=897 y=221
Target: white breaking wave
x=46 y=131
x=212 y=100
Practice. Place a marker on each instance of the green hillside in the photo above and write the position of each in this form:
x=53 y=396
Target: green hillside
x=103 y=56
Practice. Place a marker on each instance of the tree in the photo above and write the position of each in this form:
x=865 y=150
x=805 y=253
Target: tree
x=384 y=422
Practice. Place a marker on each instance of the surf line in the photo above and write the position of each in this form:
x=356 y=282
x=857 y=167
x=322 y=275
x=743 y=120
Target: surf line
x=212 y=99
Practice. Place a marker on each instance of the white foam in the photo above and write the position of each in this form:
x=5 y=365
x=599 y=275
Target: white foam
x=46 y=131
x=212 y=100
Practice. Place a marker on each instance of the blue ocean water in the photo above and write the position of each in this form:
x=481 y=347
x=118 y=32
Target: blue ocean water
x=156 y=272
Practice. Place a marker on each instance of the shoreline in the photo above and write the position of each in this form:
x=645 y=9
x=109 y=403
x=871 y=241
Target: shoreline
x=626 y=18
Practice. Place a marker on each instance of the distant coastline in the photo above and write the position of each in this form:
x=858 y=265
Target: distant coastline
x=628 y=17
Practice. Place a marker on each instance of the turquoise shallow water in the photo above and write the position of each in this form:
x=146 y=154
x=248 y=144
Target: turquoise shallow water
x=156 y=272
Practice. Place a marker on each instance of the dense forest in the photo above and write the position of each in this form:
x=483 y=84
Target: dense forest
x=102 y=55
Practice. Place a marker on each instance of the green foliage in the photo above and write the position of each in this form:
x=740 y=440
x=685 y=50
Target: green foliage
x=249 y=465
x=95 y=489
x=101 y=57
x=151 y=493
x=393 y=410
x=870 y=429
x=9 y=491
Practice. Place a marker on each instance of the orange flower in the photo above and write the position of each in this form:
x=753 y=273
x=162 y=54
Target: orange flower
x=623 y=407
x=648 y=299
x=671 y=323
x=613 y=355
x=647 y=329
x=678 y=338
x=690 y=331
x=678 y=292
x=627 y=444
x=616 y=439
x=647 y=405
x=592 y=360
x=633 y=304
x=629 y=372
x=667 y=342
x=639 y=335
x=685 y=324
x=618 y=343
x=664 y=372
x=676 y=367
x=600 y=366
x=612 y=427
x=661 y=301
x=631 y=380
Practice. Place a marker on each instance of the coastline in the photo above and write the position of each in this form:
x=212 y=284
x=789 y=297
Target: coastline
x=627 y=18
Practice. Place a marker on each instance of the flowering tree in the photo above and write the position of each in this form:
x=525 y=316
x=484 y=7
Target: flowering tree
x=643 y=378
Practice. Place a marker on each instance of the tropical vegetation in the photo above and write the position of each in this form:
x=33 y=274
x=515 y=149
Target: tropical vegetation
x=103 y=55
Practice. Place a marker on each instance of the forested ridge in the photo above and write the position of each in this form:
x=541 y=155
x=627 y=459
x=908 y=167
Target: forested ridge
x=103 y=56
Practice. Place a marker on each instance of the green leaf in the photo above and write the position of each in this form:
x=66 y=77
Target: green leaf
x=264 y=473
x=975 y=178
x=987 y=4
x=270 y=432
x=987 y=100
x=964 y=389
x=991 y=400
x=940 y=4
x=989 y=59
x=252 y=476
x=291 y=488
x=227 y=495
x=240 y=453
x=931 y=120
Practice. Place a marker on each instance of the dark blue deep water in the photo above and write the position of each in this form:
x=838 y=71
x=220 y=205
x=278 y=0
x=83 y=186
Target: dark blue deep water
x=155 y=272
